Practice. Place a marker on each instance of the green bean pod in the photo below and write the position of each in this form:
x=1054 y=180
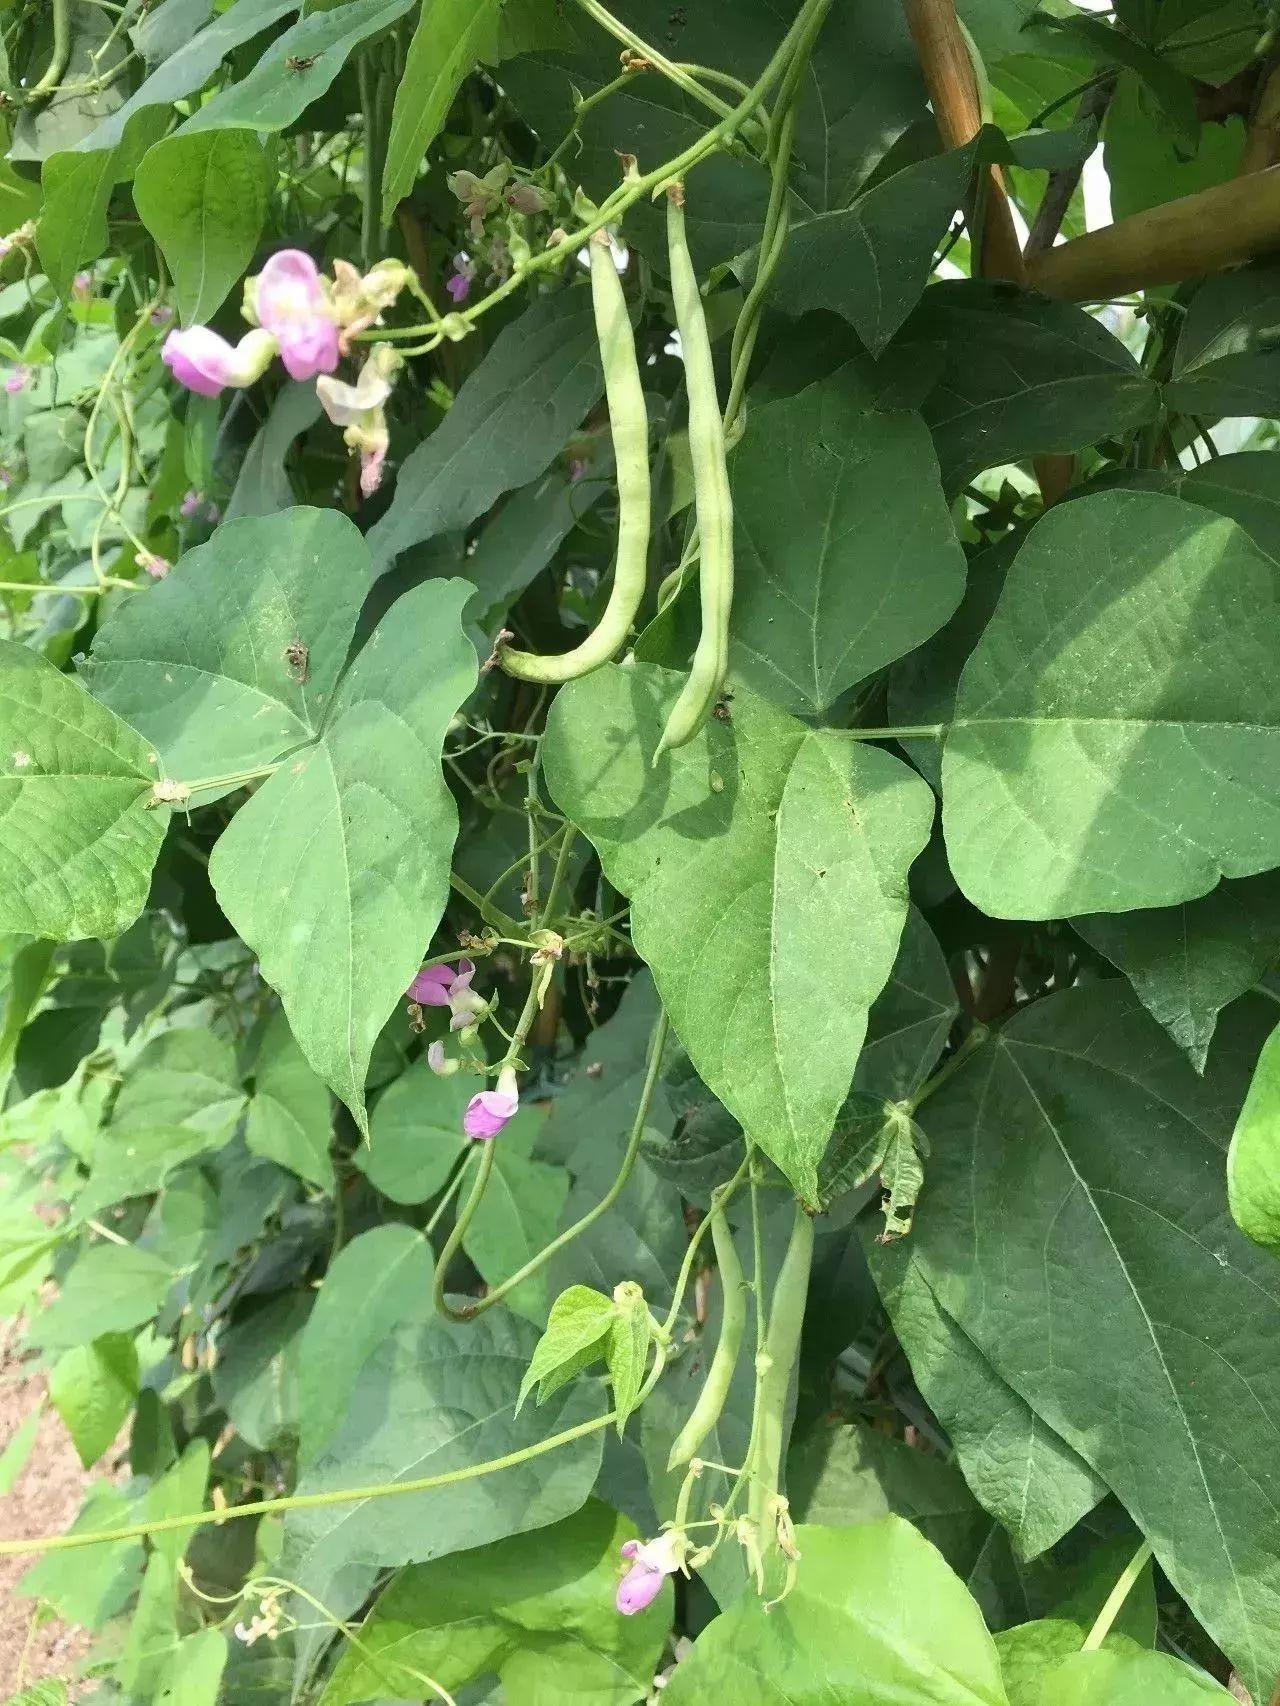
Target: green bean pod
x=712 y=500
x=629 y=423
x=715 y=1388
x=782 y=1347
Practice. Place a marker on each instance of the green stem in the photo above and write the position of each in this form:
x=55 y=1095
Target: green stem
x=535 y=1264
x=659 y=61
x=907 y=731
x=974 y=1041
x=461 y=1226
x=491 y=914
x=61 y=52
x=1116 y=1598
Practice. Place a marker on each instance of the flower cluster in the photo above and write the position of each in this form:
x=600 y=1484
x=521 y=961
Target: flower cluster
x=498 y=244
x=444 y=986
x=308 y=321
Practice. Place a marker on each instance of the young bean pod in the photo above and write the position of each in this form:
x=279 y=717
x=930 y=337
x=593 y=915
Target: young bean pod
x=630 y=427
x=715 y=1388
x=712 y=501
x=773 y=1378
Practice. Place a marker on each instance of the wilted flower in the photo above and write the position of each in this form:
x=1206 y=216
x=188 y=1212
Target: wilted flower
x=290 y=301
x=358 y=302
x=489 y=1111
x=479 y=196
x=21 y=238
x=17 y=379
x=360 y=409
x=440 y=1063
x=652 y=1561
x=205 y=363
x=156 y=566
x=524 y=198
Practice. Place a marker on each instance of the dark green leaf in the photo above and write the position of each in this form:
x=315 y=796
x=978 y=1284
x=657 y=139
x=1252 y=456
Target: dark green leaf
x=845 y=553
x=741 y=853
x=1253 y=1177
x=290 y=1118
x=415 y=1134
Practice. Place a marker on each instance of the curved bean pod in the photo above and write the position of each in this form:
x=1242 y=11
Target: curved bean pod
x=715 y=1388
x=629 y=423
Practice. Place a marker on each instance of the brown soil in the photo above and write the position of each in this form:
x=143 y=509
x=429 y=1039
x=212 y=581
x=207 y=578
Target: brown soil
x=44 y=1499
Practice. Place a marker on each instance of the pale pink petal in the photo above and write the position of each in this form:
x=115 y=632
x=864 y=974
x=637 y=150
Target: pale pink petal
x=488 y=1112
x=431 y=986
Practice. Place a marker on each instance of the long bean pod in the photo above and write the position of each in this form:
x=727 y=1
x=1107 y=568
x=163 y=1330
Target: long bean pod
x=733 y=1319
x=712 y=501
x=629 y=423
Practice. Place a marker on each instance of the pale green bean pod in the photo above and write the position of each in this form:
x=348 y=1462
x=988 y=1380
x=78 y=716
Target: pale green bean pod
x=713 y=503
x=733 y=1319
x=629 y=424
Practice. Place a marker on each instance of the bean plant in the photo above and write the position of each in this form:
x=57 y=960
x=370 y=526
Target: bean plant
x=640 y=848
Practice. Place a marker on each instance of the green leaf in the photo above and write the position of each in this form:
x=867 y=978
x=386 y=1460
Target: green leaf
x=433 y=1399
x=204 y=200
x=110 y=1289
x=1020 y=375
x=448 y=40
x=870 y=262
x=94 y=1583
x=845 y=553
x=1253 y=1178
x=1081 y=1157
x=741 y=853
x=290 y=1120
x=379 y=1282
x=199 y=664
x=579 y=1323
x=627 y=1350
x=17 y=1450
x=192 y=1675
x=1032 y=1652
x=256 y=1376
x=77 y=841
x=275 y=93
x=182 y=1098
x=1098 y=763
x=180 y=1491
x=517 y=1216
x=1227 y=359
x=1129 y=1679
x=72 y=227
x=190 y=65
x=93 y=1388
x=1244 y=487
x=842 y=1476
x=910 y=1018
x=364 y=825
x=598 y=1099
x=535 y=1610
x=851 y=1628
x=1147 y=163
x=1172 y=90
x=415 y=1134
x=263 y=485
x=522 y=537
x=1017 y=1467
x=1186 y=963
x=511 y=419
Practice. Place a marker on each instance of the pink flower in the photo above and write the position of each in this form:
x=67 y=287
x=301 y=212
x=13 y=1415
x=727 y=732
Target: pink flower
x=82 y=286
x=290 y=302
x=17 y=379
x=192 y=503
x=431 y=986
x=157 y=567
x=577 y=470
x=488 y=1112
x=360 y=408
x=459 y=287
x=162 y=315
x=652 y=1561
x=202 y=361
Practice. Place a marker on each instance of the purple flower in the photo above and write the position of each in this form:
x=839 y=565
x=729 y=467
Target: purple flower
x=459 y=287
x=577 y=470
x=290 y=302
x=17 y=379
x=192 y=503
x=82 y=286
x=431 y=986
x=162 y=315
x=652 y=1561
x=206 y=363
x=489 y=1111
